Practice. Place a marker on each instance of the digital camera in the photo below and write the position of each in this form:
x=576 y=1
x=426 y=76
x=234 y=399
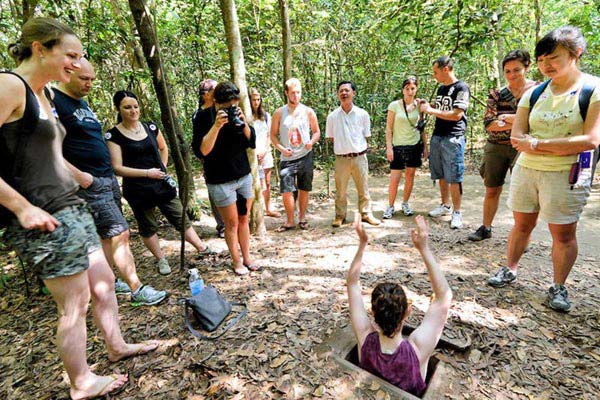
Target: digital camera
x=232 y=116
x=169 y=179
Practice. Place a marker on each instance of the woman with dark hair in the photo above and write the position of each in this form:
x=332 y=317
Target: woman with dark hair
x=221 y=137
x=261 y=121
x=499 y=155
x=556 y=129
x=206 y=100
x=139 y=154
x=48 y=224
x=406 y=144
x=382 y=349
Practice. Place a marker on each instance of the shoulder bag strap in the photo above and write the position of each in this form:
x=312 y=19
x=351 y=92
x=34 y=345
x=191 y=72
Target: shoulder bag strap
x=227 y=327
x=408 y=119
x=585 y=96
x=155 y=145
x=537 y=92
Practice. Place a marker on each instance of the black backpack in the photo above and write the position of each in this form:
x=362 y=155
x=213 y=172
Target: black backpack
x=585 y=94
x=10 y=166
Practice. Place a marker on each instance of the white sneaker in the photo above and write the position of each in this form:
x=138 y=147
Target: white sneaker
x=456 y=222
x=440 y=210
x=407 y=210
x=388 y=213
x=163 y=266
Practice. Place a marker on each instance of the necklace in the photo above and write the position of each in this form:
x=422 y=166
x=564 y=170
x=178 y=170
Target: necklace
x=136 y=131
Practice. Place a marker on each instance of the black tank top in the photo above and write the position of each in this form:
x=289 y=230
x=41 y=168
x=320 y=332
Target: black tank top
x=43 y=179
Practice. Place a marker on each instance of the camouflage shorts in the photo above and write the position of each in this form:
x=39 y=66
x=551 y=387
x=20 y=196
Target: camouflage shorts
x=63 y=252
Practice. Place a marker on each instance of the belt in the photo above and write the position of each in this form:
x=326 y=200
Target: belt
x=352 y=154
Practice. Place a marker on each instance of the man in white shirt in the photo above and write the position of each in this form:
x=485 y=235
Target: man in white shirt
x=348 y=127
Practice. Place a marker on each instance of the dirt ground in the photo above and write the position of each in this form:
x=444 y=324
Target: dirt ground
x=520 y=349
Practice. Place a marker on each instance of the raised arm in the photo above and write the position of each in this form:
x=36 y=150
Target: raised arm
x=426 y=336
x=361 y=324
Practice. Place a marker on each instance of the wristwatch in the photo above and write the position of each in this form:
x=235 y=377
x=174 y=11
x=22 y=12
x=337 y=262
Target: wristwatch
x=534 y=143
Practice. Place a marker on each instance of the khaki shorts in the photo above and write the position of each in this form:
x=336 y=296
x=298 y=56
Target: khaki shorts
x=547 y=193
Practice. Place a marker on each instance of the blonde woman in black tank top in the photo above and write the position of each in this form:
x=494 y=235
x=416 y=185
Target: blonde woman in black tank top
x=50 y=228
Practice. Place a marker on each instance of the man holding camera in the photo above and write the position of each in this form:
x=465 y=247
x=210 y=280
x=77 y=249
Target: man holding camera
x=89 y=161
x=348 y=127
x=221 y=137
x=447 y=145
x=291 y=129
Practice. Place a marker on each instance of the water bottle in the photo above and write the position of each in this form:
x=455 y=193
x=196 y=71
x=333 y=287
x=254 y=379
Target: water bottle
x=196 y=283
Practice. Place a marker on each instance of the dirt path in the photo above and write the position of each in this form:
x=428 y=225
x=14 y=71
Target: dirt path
x=520 y=349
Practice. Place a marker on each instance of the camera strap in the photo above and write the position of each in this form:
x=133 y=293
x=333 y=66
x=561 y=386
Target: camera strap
x=152 y=134
x=407 y=118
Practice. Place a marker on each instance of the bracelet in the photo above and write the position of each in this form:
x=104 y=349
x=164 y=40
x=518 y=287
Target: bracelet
x=534 y=143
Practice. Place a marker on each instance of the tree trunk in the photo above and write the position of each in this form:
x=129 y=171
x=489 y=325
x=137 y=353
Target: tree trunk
x=286 y=36
x=538 y=19
x=238 y=74
x=178 y=150
x=28 y=9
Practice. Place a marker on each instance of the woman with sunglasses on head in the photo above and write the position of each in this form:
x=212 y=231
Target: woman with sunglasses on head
x=139 y=154
x=48 y=224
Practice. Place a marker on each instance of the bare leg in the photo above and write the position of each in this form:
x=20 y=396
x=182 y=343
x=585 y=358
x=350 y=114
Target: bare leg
x=289 y=205
x=444 y=192
x=395 y=178
x=490 y=204
x=518 y=238
x=456 y=196
x=302 y=204
x=244 y=234
x=409 y=181
x=72 y=295
x=192 y=237
x=123 y=260
x=231 y=219
x=564 y=250
x=267 y=194
x=153 y=245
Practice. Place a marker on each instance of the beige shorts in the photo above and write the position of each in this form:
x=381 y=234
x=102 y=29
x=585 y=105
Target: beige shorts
x=547 y=193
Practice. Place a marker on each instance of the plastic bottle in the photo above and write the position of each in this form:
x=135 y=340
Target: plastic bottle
x=196 y=283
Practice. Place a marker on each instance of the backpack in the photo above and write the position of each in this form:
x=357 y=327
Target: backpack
x=10 y=168
x=585 y=94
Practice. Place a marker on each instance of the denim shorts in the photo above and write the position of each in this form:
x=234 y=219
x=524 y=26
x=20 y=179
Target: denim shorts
x=225 y=194
x=407 y=156
x=104 y=198
x=297 y=174
x=64 y=251
x=446 y=158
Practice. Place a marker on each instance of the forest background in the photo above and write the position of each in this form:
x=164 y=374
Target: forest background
x=374 y=43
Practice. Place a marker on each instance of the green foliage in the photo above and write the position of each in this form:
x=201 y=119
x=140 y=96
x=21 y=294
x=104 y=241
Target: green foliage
x=375 y=43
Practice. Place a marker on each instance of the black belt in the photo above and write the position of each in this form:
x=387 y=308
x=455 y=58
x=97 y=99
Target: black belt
x=352 y=154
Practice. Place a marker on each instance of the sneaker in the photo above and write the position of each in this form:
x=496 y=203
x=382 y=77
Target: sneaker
x=456 y=222
x=121 y=287
x=503 y=277
x=407 y=210
x=388 y=213
x=163 y=266
x=440 y=211
x=558 y=298
x=146 y=295
x=480 y=234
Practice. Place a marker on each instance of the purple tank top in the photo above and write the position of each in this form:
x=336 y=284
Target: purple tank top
x=401 y=368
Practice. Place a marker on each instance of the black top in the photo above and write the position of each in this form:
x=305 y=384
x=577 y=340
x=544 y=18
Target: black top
x=448 y=98
x=228 y=160
x=43 y=179
x=84 y=145
x=142 y=154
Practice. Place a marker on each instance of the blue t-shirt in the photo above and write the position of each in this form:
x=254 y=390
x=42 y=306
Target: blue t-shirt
x=84 y=145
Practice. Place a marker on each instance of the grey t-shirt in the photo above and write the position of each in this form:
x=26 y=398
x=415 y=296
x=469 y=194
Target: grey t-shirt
x=294 y=131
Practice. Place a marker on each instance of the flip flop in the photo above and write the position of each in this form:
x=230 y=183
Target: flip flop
x=284 y=228
x=140 y=351
x=303 y=225
x=102 y=394
x=241 y=271
x=252 y=266
x=208 y=251
x=273 y=214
